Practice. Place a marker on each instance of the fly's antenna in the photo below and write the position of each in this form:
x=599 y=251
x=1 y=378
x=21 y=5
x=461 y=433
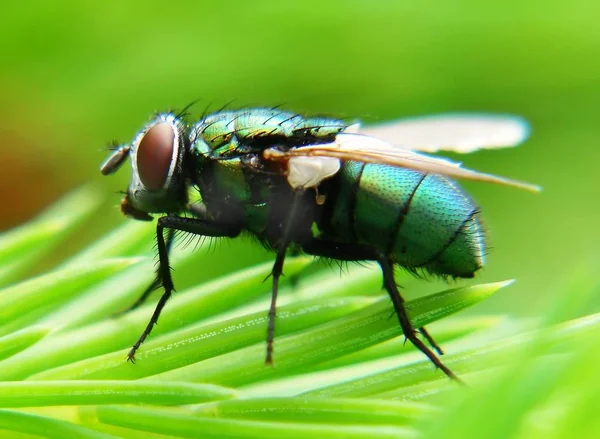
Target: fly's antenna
x=119 y=154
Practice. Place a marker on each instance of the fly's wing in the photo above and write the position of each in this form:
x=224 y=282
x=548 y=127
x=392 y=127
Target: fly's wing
x=461 y=133
x=361 y=148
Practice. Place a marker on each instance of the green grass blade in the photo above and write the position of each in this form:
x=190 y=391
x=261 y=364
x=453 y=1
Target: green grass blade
x=351 y=281
x=113 y=334
x=382 y=356
x=19 y=340
x=130 y=239
x=430 y=391
x=186 y=425
x=46 y=427
x=25 y=302
x=348 y=334
x=53 y=393
x=471 y=360
x=316 y=410
x=199 y=342
x=445 y=331
x=116 y=291
x=23 y=246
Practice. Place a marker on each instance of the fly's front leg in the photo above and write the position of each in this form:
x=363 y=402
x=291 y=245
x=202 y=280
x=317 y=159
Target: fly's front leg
x=199 y=211
x=156 y=283
x=431 y=341
x=190 y=225
x=407 y=328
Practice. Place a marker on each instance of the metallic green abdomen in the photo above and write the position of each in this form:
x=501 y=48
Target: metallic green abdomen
x=423 y=221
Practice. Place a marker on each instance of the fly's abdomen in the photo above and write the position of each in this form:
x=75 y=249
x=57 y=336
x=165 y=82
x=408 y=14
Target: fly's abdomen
x=421 y=220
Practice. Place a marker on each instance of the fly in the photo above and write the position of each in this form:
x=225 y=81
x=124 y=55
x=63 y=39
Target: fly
x=317 y=186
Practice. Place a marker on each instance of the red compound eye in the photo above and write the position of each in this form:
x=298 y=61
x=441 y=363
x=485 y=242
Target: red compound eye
x=154 y=155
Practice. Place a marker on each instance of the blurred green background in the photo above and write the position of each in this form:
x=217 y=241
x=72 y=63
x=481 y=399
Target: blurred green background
x=76 y=75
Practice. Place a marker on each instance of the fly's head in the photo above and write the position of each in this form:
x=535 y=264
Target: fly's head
x=158 y=180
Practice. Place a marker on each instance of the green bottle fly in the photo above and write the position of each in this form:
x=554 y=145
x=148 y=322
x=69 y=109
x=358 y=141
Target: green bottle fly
x=318 y=186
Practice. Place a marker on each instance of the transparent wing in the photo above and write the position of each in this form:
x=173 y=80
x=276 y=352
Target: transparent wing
x=452 y=132
x=358 y=147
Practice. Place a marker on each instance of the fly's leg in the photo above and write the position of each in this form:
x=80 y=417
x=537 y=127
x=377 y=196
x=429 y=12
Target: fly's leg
x=431 y=341
x=284 y=242
x=189 y=225
x=276 y=273
x=354 y=252
x=199 y=211
x=295 y=278
x=407 y=328
x=155 y=283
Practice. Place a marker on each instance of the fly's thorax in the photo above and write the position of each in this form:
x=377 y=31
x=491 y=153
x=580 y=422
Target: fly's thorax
x=232 y=133
x=158 y=181
x=220 y=179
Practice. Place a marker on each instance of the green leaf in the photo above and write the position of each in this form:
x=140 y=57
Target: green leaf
x=202 y=341
x=47 y=427
x=25 y=302
x=53 y=393
x=23 y=246
x=118 y=333
x=317 y=410
x=19 y=340
x=129 y=239
x=186 y=425
x=445 y=331
x=493 y=354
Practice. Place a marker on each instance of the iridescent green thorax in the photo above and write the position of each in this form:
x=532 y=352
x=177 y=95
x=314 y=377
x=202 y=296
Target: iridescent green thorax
x=232 y=133
x=232 y=178
x=235 y=183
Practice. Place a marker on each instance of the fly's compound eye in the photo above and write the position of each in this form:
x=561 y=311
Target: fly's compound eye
x=154 y=155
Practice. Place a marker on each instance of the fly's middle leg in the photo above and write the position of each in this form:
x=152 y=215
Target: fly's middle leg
x=276 y=273
x=291 y=223
x=431 y=341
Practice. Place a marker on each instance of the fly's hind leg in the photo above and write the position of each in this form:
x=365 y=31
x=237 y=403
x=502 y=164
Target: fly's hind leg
x=354 y=252
x=190 y=225
x=431 y=341
x=407 y=328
